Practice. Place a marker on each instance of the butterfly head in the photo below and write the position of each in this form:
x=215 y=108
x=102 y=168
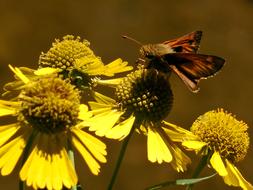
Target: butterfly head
x=146 y=51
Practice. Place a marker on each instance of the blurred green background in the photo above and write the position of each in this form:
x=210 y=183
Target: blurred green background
x=29 y=27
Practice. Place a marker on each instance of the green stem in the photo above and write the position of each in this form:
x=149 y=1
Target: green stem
x=72 y=159
x=121 y=155
x=25 y=156
x=203 y=162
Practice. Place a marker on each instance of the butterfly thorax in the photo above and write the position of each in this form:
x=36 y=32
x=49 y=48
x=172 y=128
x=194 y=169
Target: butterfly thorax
x=155 y=50
x=153 y=55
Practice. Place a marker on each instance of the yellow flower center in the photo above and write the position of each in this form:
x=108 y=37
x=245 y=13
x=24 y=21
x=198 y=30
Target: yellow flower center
x=49 y=104
x=146 y=93
x=223 y=133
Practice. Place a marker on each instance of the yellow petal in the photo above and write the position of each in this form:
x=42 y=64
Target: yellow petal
x=66 y=169
x=180 y=160
x=176 y=133
x=110 y=82
x=157 y=148
x=11 y=104
x=194 y=145
x=218 y=164
x=15 y=85
x=94 y=145
x=19 y=74
x=56 y=167
x=91 y=162
x=27 y=70
x=117 y=66
x=235 y=178
x=83 y=112
x=48 y=165
x=46 y=71
x=7 y=131
x=7 y=111
x=10 y=154
x=100 y=98
x=121 y=130
x=103 y=122
x=98 y=108
x=90 y=66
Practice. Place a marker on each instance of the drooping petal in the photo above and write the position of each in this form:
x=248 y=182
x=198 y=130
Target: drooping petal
x=11 y=86
x=235 y=178
x=180 y=159
x=176 y=133
x=7 y=131
x=46 y=71
x=12 y=104
x=48 y=165
x=68 y=173
x=94 y=145
x=103 y=122
x=98 y=108
x=84 y=113
x=117 y=66
x=121 y=130
x=100 y=98
x=110 y=82
x=218 y=164
x=8 y=107
x=91 y=162
x=194 y=145
x=90 y=67
x=19 y=74
x=157 y=148
x=11 y=152
x=6 y=111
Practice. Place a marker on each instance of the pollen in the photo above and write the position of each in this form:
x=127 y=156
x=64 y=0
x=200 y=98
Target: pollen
x=49 y=105
x=146 y=93
x=223 y=133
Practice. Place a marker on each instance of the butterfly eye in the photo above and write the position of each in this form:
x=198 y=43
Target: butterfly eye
x=149 y=56
x=178 y=49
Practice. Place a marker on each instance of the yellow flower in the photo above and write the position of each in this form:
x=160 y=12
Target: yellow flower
x=72 y=59
x=49 y=116
x=77 y=61
x=226 y=140
x=144 y=99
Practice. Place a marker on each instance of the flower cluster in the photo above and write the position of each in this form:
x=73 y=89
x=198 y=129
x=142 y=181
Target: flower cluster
x=58 y=111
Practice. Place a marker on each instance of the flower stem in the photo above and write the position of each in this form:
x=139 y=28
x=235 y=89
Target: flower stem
x=200 y=167
x=121 y=155
x=25 y=156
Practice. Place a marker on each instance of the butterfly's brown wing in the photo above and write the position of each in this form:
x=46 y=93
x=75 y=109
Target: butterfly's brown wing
x=186 y=44
x=191 y=67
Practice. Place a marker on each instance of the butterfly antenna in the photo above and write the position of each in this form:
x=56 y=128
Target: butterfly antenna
x=133 y=40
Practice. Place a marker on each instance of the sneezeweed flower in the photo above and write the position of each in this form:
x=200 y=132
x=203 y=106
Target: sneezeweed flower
x=144 y=99
x=225 y=140
x=72 y=59
x=77 y=61
x=49 y=115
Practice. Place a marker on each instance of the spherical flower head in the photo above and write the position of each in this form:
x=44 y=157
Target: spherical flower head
x=146 y=93
x=143 y=99
x=223 y=133
x=49 y=104
x=64 y=53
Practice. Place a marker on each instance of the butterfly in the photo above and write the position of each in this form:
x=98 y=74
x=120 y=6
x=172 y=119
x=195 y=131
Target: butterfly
x=180 y=56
